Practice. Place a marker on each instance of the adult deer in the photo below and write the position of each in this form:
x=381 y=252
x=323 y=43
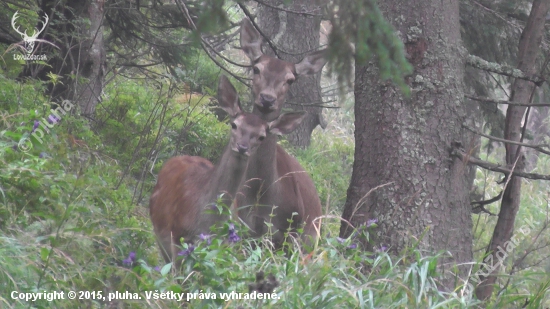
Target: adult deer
x=183 y=201
x=275 y=182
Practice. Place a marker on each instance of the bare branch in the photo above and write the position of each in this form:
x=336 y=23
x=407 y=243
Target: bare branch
x=211 y=48
x=479 y=209
x=320 y=104
x=505 y=70
x=185 y=12
x=496 y=14
x=307 y=13
x=487 y=202
x=495 y=167
x=489 y=100
x=249 y=15
x=507 y=141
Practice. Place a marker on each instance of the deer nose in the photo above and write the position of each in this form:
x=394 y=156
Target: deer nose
x=242 y=148
x=267 y=100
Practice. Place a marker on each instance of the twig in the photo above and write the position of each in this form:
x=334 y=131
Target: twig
x=249 y=15
x=487 y=202
x=287 y=10
x=498 y=139
x=222 y=56
x=489 y=100
x=496 y=167
x=185 y=12
x=505 y=70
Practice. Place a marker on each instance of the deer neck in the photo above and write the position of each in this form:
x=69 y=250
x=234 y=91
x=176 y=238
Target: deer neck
x=267 y=117
x=263 y=163
x=227 y=175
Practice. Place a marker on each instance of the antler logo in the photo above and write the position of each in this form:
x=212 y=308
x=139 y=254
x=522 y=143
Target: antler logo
x=29 y=40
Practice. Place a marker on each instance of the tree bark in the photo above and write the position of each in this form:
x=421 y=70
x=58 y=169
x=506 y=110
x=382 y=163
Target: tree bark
x=403 y=174
x=92 y=59
x=75 y=27
x=294 y=35
x=522 y=90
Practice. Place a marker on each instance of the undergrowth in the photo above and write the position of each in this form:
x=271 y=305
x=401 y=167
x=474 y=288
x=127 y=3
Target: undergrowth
x=70 y=220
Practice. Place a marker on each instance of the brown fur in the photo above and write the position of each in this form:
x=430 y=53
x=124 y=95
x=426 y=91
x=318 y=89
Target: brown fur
x=188 y=186
x=173 y=197
x=275 y=181
x=274 y=178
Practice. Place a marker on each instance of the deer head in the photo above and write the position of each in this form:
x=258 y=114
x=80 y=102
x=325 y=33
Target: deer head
x=273 y=76
x=29 y=40
x=247 y=130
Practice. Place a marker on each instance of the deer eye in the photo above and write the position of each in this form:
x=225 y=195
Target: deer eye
x=256 y=70
x=290 y=81
x=261 y=138
x=233 y=126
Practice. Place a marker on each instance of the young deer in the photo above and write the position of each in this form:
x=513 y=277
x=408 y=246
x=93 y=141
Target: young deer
x=275 y=182
x=183 y=201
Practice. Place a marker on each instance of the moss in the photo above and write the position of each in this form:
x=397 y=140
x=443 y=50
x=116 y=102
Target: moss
x=493 y=67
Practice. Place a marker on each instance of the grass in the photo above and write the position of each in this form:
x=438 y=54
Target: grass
x=70 y=219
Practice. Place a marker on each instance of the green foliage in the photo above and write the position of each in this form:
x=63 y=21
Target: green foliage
x=199 y=73
x=529 y=258
x=212 y=16
x=72 y=199
x=66 y=228
x=136 y=118
x=61 y=219
x=337 y=275
x=365 y=28
x=328 y=160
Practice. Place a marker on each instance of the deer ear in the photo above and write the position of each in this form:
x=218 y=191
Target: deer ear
x=228 y=98
x=312 y=63
x=251 y=40
x=286 y=122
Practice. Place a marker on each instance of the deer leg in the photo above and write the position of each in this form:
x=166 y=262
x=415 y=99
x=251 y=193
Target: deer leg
x=165 y=245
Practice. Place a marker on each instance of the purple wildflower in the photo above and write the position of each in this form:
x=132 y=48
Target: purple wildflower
x=35 y=126
x=233 y=236
x=206 y=237
x=42 y=155
x=186 y=252
x=14 y=147
x=371 y=222
x=359 y=230
x=342 y=240
x=130 y=259
x=381 y=249
x=157 y=268
x=52 y=119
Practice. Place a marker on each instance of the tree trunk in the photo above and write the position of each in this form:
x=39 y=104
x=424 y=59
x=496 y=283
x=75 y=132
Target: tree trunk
x=294 y=35
x=522 y=91
x=75 y=27
x=403 y=174
x=92 y=59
